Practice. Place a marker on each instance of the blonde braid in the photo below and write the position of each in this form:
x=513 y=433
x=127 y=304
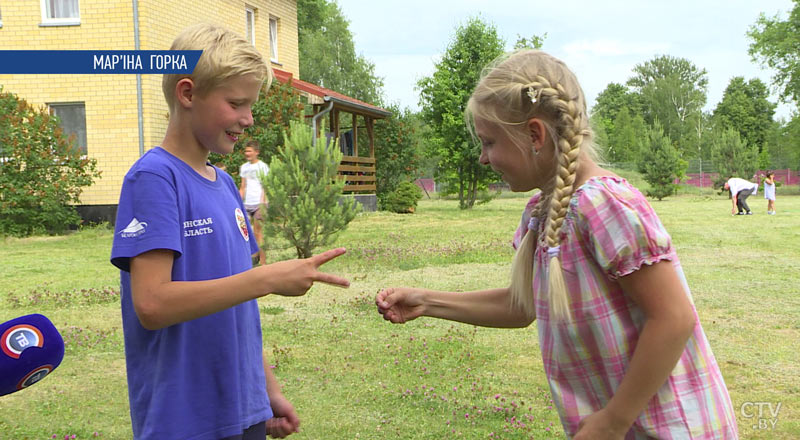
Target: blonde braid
x=521 y=267
x=570 y=138
x=513 y=89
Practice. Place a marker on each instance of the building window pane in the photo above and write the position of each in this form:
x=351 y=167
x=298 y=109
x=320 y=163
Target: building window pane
x=250 y=25
x=73 y=122
x=55 y=9
x=273 y=38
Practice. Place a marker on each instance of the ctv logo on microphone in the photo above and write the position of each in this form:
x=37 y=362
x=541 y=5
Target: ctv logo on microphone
x=20 y=337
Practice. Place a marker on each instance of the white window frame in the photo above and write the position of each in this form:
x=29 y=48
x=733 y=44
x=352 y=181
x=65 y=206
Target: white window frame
x=64 y=21
x=53 y=111
x=250 y=21
x=273 y=38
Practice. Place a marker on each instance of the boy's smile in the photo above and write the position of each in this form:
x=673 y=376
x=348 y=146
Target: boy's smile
x=220 y=116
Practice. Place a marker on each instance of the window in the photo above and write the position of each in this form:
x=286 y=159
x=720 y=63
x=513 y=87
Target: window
x=273 y=38
x=73 y=121
x=250 y=25
x=1 y=18
x=60 y=12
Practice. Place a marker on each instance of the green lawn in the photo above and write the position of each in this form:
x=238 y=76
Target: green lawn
x=352 y=375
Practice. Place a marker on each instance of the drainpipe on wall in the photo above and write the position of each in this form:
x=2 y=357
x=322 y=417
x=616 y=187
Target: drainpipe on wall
x=316 y=117
x=138 y=77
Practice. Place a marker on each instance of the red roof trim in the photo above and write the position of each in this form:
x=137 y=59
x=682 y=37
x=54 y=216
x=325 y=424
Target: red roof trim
x=283 y=76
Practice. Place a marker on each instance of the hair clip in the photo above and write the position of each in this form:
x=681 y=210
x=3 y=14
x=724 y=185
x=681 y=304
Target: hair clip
x=533 y=94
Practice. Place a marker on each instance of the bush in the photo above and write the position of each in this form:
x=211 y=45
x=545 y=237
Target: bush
x=305 y=203
x=42 y=173
x=403 y=200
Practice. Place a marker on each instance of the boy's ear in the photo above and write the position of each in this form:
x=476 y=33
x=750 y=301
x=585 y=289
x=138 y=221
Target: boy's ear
x=184 y=92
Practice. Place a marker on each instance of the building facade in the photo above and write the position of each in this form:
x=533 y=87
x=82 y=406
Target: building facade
x=116 y=118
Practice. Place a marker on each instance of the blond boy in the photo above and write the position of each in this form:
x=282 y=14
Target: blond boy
x=193 y=342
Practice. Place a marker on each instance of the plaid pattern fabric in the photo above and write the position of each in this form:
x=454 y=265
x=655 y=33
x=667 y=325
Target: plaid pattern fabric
x=610 y=231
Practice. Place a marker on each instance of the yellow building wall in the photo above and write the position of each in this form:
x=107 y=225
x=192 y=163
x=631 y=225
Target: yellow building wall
x=112 y=128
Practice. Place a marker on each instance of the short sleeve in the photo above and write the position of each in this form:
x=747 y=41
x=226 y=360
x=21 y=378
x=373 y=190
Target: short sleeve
x=621 y=229
x=147 y=218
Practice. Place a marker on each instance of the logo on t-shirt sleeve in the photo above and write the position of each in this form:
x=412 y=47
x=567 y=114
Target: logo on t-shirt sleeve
x=134 y=229
x=242 y=224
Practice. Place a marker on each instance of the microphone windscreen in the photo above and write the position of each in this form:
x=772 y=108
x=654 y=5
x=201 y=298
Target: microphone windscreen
x=30 y=348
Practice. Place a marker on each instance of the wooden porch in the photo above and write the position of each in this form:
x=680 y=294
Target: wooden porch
x=350 y=122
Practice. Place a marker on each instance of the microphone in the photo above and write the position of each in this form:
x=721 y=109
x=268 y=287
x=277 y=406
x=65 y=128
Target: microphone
x=30 y=348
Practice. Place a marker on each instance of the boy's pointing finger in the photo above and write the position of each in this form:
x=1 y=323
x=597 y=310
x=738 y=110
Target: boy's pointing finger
x=326 y=256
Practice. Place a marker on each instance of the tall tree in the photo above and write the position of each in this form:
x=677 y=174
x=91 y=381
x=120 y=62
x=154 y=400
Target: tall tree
x=745 y=108
x=444 y=98
x=534 y=42
x=784 y=144
x=732 y=156
x=328 y=56
x=621 y=130
x=673 y=91
x=397 y=150
x=624 y=143
x=775 y=43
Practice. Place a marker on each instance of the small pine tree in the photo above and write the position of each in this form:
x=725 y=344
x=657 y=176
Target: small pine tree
x=276 y=106
x=661 y=164
x=305 y=204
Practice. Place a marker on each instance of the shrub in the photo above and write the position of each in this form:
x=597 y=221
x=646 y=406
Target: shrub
x=305 y=203
x=404 y=199
x=42 y=173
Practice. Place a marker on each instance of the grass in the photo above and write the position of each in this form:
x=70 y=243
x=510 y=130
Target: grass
x=352 y=375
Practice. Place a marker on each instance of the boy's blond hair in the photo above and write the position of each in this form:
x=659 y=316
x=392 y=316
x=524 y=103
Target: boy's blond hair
x=225 y=55
x=513 y=89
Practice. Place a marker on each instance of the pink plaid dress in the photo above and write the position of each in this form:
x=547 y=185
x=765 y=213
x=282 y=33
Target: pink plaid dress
x=610 y=231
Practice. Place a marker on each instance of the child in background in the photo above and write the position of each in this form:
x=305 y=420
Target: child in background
x=193 y=343
x=623 y=350
x=769 y=192
x=255 y=201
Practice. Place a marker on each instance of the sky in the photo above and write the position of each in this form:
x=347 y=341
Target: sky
x=601 y=41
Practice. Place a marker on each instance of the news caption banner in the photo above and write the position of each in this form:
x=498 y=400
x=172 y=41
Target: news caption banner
x=98 y=61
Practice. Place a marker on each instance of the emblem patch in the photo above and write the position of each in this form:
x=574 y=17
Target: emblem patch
x=240 y=220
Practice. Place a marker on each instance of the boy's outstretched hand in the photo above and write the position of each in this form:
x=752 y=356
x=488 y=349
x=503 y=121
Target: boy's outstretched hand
x=295 y=277
x=399 y=304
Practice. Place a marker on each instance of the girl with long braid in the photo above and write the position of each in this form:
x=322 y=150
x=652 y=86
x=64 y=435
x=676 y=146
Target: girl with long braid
x=623 y=350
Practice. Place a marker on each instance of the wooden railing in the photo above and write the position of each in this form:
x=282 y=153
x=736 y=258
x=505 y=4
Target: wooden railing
x=358 y=173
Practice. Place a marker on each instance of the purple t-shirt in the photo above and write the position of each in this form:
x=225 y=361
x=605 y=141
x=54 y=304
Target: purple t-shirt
x=200 y=379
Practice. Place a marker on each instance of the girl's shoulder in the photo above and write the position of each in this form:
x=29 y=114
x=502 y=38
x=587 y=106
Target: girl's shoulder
x=602 y=189
x=604 y=200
